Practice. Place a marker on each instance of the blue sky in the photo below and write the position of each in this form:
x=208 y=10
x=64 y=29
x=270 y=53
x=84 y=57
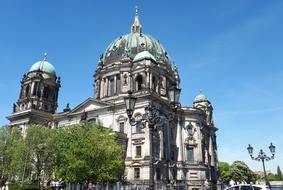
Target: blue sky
x=230 y=49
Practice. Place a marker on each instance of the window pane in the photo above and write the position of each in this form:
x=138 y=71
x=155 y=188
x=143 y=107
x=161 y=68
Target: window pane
x=138 y=151
x=138 y=127
x=111 y=87
x=122 y=127
x=137 y=173
x=190 y=155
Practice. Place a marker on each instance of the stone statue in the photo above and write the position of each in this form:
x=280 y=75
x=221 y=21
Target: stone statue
x=14 y=107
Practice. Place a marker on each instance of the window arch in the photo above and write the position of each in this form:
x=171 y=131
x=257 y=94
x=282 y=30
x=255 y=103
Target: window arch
x=121 y=124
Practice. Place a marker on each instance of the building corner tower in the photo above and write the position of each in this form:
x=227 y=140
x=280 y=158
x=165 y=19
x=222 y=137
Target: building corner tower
x=38 y=96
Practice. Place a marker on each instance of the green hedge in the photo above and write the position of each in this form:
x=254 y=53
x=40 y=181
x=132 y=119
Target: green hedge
x=26 y=187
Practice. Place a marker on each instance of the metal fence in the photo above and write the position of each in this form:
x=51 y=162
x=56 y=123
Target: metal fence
x=119 y=186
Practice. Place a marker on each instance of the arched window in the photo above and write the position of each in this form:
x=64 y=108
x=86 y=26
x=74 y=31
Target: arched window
x=27 y=91
x=46 y=92
x=111 y=86
x=139 y=83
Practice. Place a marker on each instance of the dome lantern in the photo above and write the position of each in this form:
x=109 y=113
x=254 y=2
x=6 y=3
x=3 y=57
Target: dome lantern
x=137 y=27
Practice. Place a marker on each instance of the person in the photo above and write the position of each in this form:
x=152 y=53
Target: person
x=206 y=184
x=232 y=182
x=61 y=184
x=52 y=184
x=1 y=183
x=90 y=186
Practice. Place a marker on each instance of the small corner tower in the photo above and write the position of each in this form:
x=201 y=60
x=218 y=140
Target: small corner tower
x=38 y=95
x=202 y=102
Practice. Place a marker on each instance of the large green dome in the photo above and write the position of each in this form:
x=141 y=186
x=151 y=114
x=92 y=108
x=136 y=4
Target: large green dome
x=43 y=66
x=131 y=44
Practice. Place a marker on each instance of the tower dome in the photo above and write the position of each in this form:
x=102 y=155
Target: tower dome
x=201 y=101
x=200 y=98
x=43 y=66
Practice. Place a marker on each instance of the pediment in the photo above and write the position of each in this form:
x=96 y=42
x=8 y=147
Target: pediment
x=89 y=105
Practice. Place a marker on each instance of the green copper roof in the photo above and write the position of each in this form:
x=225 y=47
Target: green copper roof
x=144 y=55
x=43 y=66
x=200 y=98
x=132 y=44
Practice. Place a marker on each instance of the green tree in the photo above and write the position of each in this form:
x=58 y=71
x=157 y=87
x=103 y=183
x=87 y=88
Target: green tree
x=279 y=174
x=11 y=148
x=224 y=172
x=39 y=151
x=239 y=171
x=272 y=177
x=3 y=145
x=88 y=152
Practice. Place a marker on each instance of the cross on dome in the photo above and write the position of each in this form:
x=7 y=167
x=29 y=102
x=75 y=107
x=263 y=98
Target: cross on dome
x=45 y=56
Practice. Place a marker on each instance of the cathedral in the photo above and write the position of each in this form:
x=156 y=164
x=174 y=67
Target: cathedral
x=182 y=149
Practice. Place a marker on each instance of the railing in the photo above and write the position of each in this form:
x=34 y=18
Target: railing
x=119 y=186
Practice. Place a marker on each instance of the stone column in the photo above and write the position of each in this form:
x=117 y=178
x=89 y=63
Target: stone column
x=211 y=151
x=179 y=142
x=147 y=80
x=146 y=141
x=129 y=149
x=31 y=89
x=106 y=85
x=161 y=147
x=102 y=88
x=168 y=140
x=199 y=146
x=150 y=80
x=115 y=84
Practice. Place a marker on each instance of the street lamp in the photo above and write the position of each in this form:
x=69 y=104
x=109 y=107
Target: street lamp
x=262 y=157
x=152 y=117
x=174 y=95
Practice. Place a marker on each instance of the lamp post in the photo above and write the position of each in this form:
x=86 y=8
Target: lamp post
x=262 y=157
x=152 y=117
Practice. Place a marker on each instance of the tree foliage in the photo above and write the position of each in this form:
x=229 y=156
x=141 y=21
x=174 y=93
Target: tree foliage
x=238 y=172
x=224 y=171
x=279 y=174
x=88 y=153
x=39 y=154
x=77 y=153
x=11 y=148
